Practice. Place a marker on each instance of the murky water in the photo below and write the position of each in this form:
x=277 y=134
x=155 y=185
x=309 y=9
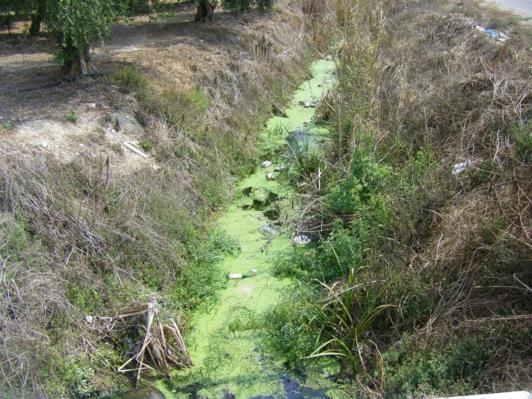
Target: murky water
x=224 y=343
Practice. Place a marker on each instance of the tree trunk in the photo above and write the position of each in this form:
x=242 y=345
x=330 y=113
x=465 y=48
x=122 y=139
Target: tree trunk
x=36 y=21
x=77 y=63
x=205 y=11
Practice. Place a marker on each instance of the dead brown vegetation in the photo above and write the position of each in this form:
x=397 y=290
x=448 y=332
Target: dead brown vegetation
x=417 y=78
x=84 y=240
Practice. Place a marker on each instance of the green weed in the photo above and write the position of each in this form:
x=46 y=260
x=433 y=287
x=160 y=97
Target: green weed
x=130 y=79
x=522 y=135
x=72 y=117
x=448 y=370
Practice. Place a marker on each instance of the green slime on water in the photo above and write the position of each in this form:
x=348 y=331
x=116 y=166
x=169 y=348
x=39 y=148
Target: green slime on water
x=223 y=343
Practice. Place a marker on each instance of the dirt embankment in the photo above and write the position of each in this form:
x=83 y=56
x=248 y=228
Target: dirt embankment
x=107 y=184
x=173 y=52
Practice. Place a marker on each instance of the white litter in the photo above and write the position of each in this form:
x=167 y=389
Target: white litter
x=236 y=276
x=134 y=149
x=268 y=230
x=252 y=272
x=301 y=239
x=460 y=167
x=270 y=176
x=266 y=164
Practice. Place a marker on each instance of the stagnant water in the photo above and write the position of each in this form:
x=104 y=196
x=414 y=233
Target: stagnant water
x=224 y=343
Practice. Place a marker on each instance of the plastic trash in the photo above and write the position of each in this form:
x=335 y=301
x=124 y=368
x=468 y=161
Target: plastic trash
x=301 y=239
x=252 y=272
x=494 y=34
x=270 y=176
x=267 y=230
x=280 y=168
x=461 y=167
x=266 y=164
x=236 y=276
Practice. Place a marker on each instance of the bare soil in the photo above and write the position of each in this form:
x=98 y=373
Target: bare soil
x=171 y=49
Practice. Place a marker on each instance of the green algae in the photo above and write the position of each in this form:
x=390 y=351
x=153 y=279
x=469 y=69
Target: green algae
x=225 y=341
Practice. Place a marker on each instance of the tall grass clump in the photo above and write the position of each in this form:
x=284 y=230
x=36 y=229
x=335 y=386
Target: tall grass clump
x=421 y=266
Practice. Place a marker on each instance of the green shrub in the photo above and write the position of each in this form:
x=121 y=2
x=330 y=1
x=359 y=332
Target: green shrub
x=289 y=333
x=130 y=79
x=244 y=5
x=452 y=369
x=522 y=135
x=72 y=117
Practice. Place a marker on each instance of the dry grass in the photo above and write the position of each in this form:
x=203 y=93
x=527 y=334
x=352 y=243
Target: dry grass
x=417 y=77
x=85 y=239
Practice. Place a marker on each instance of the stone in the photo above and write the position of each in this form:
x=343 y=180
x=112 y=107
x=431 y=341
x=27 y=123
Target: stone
x=126 y=124
x=262 y=198
x=144 y=393
x=227 y=394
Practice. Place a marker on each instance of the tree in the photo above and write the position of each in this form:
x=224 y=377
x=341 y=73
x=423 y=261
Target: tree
x=74 y=24
x=37 y=17
x=205 y=8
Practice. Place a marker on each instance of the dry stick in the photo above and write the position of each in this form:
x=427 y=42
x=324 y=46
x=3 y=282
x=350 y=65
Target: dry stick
x=151 y=312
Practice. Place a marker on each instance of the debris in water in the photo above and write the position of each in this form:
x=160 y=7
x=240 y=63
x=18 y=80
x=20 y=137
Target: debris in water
x=460 y=167
x=494 y=34
x=267 y=230
x=236 y=276
x=270 y=176
x=266 y=164
x=301 y=239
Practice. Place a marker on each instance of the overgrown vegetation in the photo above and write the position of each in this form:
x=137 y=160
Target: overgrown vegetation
x=421 y=208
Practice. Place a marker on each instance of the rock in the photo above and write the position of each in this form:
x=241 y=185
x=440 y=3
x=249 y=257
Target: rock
x=144 y=393
x=260 y=195
x=266 y=164
x=227 y=394
x=262 y=198
x=126 y=124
